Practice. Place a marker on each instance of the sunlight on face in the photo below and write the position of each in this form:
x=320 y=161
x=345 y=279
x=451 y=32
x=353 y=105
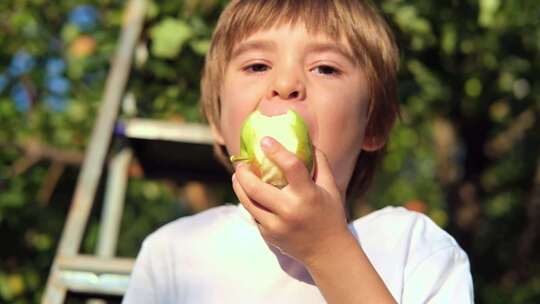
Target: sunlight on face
x=287 y=68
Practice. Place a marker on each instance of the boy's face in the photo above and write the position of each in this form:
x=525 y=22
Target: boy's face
x=285 y=67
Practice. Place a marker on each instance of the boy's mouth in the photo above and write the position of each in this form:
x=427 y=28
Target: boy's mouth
x=277 y=108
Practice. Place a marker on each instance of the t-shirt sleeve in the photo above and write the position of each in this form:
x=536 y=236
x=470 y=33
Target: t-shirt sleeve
x=150 y=276
x=443 y=277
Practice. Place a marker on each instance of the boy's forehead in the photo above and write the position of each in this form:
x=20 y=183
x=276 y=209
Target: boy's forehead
x=316 y=36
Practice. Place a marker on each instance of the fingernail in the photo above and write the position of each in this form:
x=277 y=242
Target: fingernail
x=241 y=165
x=268 y=144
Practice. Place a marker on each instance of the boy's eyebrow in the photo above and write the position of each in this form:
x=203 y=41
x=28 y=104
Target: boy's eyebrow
x=331 y=47
x=264 y=45
x=318 y=47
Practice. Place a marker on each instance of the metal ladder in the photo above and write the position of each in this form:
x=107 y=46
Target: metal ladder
x=102 y=273
x=186 y=149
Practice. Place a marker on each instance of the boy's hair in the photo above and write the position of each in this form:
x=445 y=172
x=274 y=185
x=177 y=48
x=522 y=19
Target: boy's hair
x=357 y=21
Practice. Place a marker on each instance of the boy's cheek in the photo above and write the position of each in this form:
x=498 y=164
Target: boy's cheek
x=231 y=125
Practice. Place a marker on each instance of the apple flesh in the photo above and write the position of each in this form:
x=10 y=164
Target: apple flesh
x=289 y=129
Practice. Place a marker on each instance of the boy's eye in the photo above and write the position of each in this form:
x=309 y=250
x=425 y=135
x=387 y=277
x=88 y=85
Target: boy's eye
x=326 y=70
x=257 y=68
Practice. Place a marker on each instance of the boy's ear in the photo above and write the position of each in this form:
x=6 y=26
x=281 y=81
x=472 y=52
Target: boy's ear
x=216 y=133
x=373 y=143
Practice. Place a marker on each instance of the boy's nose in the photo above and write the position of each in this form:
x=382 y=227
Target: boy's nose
x=288 y=88
x=284 y=94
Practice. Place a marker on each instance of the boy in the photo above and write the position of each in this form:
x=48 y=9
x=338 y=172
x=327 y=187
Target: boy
x=334 y=62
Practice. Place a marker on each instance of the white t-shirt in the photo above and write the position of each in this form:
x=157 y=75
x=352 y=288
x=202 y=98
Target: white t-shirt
x=219 y=256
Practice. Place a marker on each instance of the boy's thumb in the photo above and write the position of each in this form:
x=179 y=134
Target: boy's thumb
x=323 y=172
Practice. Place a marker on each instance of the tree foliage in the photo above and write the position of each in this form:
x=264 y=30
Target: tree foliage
x=465 y=151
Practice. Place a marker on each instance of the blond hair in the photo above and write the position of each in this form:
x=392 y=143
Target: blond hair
x=357 y=21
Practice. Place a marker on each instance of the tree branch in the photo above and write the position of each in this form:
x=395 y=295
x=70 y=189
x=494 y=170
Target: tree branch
x=35 y=151
x=49 y=182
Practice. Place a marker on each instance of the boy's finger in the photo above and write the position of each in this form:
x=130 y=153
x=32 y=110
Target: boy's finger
x=324 y=176
x=259 y=214
x=264 y=194
x=293 y=168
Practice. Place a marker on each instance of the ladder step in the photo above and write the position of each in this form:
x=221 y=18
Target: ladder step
x=92 y=274
x=153 y=129
x=173 y=150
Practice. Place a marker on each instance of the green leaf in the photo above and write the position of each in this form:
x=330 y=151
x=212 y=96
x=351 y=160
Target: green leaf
x=152 y=10
x=500 y=204
x=449 y=38
x=168 y=37
x=200 y=47
x=69 y=33
x=488 y=9
x=473 y=87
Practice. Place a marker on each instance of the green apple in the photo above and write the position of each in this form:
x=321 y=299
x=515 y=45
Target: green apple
x=289 y=129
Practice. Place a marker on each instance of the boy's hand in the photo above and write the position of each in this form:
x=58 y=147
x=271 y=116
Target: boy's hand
x=306 y=217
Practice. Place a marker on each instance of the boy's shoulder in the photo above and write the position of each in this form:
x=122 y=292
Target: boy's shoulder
x=392 y=221
x=414 y=255
x=396 y=229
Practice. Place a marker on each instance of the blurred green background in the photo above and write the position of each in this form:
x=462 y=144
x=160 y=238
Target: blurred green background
x=466 y=152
